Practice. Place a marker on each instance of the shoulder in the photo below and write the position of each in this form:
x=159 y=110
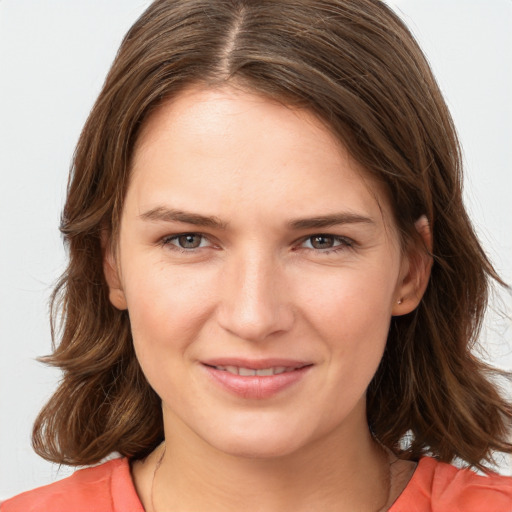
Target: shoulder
x=440 y=487
x=104 y=488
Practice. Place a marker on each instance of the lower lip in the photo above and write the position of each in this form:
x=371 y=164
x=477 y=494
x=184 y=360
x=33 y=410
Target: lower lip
x=256 y=387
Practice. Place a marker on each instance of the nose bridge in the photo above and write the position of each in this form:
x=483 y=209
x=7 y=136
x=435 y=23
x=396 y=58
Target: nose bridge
x=253 y=300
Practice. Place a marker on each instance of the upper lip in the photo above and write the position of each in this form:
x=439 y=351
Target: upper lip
x=256 y=364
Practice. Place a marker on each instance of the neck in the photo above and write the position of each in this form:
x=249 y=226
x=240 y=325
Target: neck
x=335 y=473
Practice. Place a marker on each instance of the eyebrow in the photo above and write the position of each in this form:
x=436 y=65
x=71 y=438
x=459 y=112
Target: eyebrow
x=325 y=221
x=163 y=214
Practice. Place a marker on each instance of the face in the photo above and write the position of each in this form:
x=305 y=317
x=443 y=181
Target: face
x=260 y=270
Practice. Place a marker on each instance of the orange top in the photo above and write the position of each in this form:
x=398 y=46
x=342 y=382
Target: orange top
x=434 y=487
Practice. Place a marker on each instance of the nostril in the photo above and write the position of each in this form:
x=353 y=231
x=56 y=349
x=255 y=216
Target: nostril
x=252 y=305
x=255 y=324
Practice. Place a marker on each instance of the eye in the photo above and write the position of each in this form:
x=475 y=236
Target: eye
x=186 y=241
x=321 y=241
x=325 y=242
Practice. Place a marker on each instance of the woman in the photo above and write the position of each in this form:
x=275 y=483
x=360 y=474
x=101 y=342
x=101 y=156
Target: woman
x=273 y=284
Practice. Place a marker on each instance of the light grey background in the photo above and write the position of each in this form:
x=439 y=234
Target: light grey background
x=54 y=55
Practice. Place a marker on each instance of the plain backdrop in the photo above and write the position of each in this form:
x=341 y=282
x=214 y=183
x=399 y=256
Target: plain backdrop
x=54 y=55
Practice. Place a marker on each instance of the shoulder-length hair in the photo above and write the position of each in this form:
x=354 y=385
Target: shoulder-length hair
x=357 y=67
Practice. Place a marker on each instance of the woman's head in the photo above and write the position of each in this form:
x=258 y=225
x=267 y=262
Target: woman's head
x=250 y=240
x=356 y=69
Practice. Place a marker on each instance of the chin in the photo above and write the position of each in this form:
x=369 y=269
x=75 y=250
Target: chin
x=260 y=443
x=264 y=447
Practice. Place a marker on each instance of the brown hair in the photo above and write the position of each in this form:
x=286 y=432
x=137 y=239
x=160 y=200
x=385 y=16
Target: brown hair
x=354 y=64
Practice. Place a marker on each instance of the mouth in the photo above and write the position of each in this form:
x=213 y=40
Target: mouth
x=260 y=372
x=256 y=379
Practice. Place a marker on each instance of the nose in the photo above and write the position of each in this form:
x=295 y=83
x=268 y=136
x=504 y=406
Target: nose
x=254 y=302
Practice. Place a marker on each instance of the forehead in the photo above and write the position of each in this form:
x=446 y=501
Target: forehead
x=196 y=110
x=228 y=146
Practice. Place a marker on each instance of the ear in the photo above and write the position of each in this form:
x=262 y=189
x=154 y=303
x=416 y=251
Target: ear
x=111 y=272
x=416 y=272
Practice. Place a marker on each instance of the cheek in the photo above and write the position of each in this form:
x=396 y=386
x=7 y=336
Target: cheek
x=351 y=314
x=350 y=298
x=167 y=312
x=166 y=306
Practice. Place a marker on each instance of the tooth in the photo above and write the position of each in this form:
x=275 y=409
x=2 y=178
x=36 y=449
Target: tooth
x=265 y=371
x=223 y=368
x=231 y=369
x=279 y=369
x=246 y=372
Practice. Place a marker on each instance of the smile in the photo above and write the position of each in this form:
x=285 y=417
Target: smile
x=258 y=380
x=261 y=372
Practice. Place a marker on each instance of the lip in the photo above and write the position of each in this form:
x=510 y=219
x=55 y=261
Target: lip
x=256 y=387
x=256 y=364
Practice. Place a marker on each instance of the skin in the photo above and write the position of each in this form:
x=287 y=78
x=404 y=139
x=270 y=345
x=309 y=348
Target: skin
x=259 y=285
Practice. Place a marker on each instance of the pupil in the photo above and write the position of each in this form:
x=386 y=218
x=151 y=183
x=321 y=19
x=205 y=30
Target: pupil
x=322 y=242
x=189 y=241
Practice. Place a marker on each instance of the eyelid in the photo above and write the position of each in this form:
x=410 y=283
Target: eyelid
x=344 y=242
x=166 y=241
x=341 y=242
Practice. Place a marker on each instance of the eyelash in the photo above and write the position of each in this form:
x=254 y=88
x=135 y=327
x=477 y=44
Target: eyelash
x=167 y=241
x=344 y=243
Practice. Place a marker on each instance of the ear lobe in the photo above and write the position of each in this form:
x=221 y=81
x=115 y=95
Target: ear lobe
x=417 y=272
x=111 y=272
